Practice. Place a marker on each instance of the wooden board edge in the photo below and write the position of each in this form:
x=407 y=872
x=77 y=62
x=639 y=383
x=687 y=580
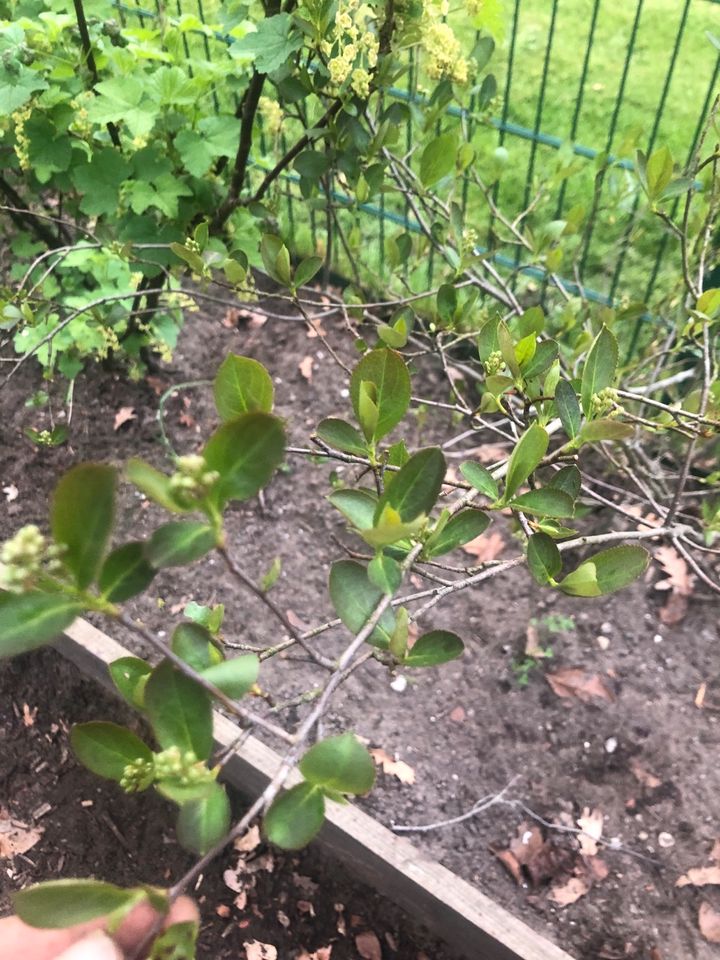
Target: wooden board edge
x=448 y=906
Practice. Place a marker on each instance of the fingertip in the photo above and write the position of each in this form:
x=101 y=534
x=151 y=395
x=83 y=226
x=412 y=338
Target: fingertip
x=98 y=946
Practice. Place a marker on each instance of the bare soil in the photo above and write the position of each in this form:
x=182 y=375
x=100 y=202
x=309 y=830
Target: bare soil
x=644 y=754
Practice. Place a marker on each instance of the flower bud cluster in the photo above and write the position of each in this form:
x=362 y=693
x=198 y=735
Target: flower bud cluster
x=192 y=481
x=272 y=115
x=354 y=47
x=469 y=241
x=24 y=557
x=442 y=47
x=183 y=768
x=22 y=143
x=604 y=401
x=137 y=775
x=494 y=363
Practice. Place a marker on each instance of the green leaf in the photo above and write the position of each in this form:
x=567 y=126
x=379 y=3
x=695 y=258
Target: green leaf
x=528 y=452
x=544 y=558
x=461 y=528
x=355 y=599
x=594 y=431
x=545 y=355
x=606 y=572
x=385 y=573
x=545 y=502
x=357 y=505
x=245 y=452
x=271 y=577
x=203 y=823
x=340 y=764
x=30 y=620
x=415 y=487
x=125 y=573
x=99 y=181
x=438 y=159
x=446 y=301
x=178 y=942
x=180 y=542
x=106 y=748
x=179 y=711
x=182 y=793
x=155 y=485
x=193 y=643
x=342 y=436
x=599 y=369
x=276 y=258
x=386 y=370
x=568 y=408
x=242 y=385
x=295 y=817
x=234 y=677
x=709 y=302
x=130 y=674
x=272 y=43
x=81 y=518
x=480 y=478
x=434 y=648
x=568 y=480
x=306 y=270
x=58 y=904
x=659 y=171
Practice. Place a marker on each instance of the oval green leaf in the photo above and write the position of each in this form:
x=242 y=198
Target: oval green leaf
x=414 y=490
x=480 y=478
x=544 y=558
x=81 y=518
x=342 y=436
x=242 y=385
x=434 y=648
x=234 y=677
x=130 y=674
x=106 y=748
x=357 y=505
x=568 y=408
x=606 y=572
x=340 y=764
x=528 y=452
x=58 y=904
x=30 y=620
x=461 y=528
x=203 y=823
x=193 y=643
x=155 y=485
x=386 y=370
x=245 y=452
x=295 y=817
x=599 y=369
x=545 y=502
x=125 y=573
x=594 y=431
x=179 y=542
x=179 y=711
x=355 y=599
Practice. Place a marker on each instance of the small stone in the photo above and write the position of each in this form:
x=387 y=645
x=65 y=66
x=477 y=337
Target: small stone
x=642 y=835
x=657 y=638
x=666 y=840
x=606 y=627
x=603 y=642
x=611 y=745
x=399 y=683
x=586 y=745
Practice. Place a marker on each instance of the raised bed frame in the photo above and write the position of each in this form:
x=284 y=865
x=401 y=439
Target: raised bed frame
x=466 y=919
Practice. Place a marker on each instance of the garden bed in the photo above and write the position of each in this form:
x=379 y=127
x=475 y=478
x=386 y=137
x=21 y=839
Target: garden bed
x=642 y=753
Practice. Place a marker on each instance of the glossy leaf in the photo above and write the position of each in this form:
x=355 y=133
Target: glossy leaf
x=545 y=502
x=342 y=436
x=415 y=488
x=544 y=558
x=599 y=369
x=357 y=505
x=182 y=793
x=528 y=452
x=480 y=478
x=390 y=529
x=460 y=529
x=385 y=573
x=295 y=817
x=606 y=572
x=340 y=764
x=179 y=711
x=386 y=370
x=438 y=159
x=155 y=485
x=180 y=542
x=106 y=748
x=30 y=620
x=568 y=408
x=193 y=643
x=203 y=823
x=434 y=648
x=235 y=677
x=355 y=598
x=245 y=452
x=306 y=270
x=594 y=431
x=81 y=518
x=242 y=385
x=58 y=904
x=544 y=356
x=568 y=480
x=130 y=674
x=125 y=573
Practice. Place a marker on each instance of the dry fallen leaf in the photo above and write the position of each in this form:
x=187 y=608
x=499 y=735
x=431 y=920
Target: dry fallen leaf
x=322 y=953
x=254 y=950
x=306 y=368
x=643 y=775
x=598 y=868
x=699 y=877
x=368 y=946
x=533 y=647
x=248 y=841
x=11 y=492
x=457 y=715
x=510 y=862
x=16 y=838
x=394 y=768
x=715 y=852
x=591 y=824
x=29 y=715
x=576 y=682
x=679 y=582
x=222 y=910
x=709 y=923
x=315 y=328
x=700 y=695
x=570 y=891
x=486 y=547
x=532 y=852
x=124 y=415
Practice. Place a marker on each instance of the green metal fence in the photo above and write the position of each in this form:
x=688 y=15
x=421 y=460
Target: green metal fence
x=590 y=79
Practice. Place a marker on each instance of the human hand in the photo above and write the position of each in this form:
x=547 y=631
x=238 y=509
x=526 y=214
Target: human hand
x=88 y=941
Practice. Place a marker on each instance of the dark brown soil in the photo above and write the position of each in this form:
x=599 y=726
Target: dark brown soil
x=90 y=827
x=562 y=754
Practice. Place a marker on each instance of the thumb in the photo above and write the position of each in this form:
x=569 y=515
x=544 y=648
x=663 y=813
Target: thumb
x=98 y=946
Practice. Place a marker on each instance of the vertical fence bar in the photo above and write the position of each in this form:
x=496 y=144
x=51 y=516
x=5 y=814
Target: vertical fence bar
x=505 y=110
x=206 y=44
x=611 y=133
x=625 y=243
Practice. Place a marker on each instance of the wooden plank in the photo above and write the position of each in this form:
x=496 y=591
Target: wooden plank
x=451 y=908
